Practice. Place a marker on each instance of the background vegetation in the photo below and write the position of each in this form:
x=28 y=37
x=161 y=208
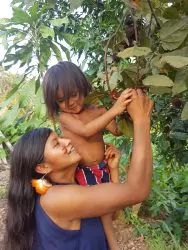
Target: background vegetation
x=118 y=44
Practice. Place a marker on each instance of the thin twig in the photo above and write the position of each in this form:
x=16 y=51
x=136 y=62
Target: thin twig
x=153 y=13
x=135 y=29
x=106 y=64
x=106 y=53
x=150 y=24
x=137 y=58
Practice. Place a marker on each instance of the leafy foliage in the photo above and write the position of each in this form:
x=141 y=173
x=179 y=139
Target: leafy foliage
x=120 y=44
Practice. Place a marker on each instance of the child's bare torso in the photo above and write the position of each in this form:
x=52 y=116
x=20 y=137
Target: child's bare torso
x=90 y=148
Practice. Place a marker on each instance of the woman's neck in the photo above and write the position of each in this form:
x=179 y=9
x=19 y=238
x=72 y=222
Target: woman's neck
x=65 y=176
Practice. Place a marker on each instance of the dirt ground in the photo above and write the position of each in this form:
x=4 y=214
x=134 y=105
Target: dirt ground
x=122 y=230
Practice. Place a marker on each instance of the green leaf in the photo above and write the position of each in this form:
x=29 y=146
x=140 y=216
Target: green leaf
x=56 y=51
x=26 y=94
x=160 y=90
x=11 y=116
x=178 y=135
x=158 y=81
x=180 y=81
x=65 y=50
x=46 y=31
x=2 y=154
x=184 y=114
x=74 y=4
x=126 y=127
x=95 y=97
x=114 y=79
x=20 y=16
x=45 y=54
x=13 y=90
x=34 y=11
x=40 y=108
x=173 y=33
x=170 y=27
x=179 y=88
x=171 y=13
x=4 y=20
x=178 y=52
x=59 y=21
x=175 y=61
x=134 y=51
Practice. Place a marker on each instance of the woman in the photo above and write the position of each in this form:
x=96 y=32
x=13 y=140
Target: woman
x=66 y=216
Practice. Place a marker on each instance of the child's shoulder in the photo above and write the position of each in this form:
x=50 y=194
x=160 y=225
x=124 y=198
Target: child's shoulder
x=93 y=110
x=96 y=108
x=63 y=117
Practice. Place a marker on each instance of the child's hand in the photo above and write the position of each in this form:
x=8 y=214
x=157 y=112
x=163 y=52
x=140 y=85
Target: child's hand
x=112 y=155
x=121 y=104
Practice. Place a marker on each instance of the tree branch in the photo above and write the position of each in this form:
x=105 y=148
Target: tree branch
x=153 y=13
x=106 y=52
x=137 y=58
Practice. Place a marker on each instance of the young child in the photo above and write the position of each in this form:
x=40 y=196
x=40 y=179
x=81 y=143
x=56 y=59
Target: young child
x=65 y=88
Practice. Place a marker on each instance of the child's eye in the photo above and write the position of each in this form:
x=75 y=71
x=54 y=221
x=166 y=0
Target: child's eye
x=60 y=100
x=74 y=94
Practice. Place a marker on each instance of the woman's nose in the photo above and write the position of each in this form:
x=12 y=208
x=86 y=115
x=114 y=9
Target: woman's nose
x=65 y=142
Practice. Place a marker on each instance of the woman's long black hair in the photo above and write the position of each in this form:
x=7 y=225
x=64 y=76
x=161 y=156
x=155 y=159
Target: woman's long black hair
x=20 y=221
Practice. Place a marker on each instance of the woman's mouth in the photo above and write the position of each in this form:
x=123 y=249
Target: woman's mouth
x=71 y=150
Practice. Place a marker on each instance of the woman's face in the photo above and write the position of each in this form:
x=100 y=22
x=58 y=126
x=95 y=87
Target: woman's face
x=59 y=153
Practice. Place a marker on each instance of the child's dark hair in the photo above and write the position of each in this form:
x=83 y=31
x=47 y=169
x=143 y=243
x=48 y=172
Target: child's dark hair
x=65 y=77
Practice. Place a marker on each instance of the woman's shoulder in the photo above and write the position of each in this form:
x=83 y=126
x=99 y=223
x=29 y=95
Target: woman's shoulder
x=56 y=202
x=58 y=195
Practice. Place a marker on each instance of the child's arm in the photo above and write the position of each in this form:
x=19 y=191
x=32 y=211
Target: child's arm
x=112 y=155
x=112 y=127
x=86 y=130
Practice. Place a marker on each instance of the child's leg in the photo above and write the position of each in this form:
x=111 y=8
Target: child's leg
x=114 y=173
x=109 y=231
x=107 y=219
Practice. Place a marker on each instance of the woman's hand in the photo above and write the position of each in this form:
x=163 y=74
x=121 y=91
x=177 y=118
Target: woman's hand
x=141 y=107
x=112 y=155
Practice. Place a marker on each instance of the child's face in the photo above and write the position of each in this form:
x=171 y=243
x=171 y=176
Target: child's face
x=75 y=103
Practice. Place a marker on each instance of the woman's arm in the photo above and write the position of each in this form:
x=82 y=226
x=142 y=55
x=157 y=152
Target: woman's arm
x=75 y=201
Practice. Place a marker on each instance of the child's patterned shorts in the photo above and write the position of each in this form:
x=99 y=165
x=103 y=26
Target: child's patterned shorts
x=92 y=175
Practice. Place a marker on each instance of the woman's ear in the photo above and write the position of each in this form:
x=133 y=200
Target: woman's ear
x=41 y=169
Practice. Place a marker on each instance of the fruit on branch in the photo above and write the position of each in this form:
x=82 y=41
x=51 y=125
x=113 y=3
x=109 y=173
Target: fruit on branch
x=134 y=3
x=130 y=28
x=176 y=102
x=125 y=125
x=130 y=34
x=115 y=58
x=114 y=95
